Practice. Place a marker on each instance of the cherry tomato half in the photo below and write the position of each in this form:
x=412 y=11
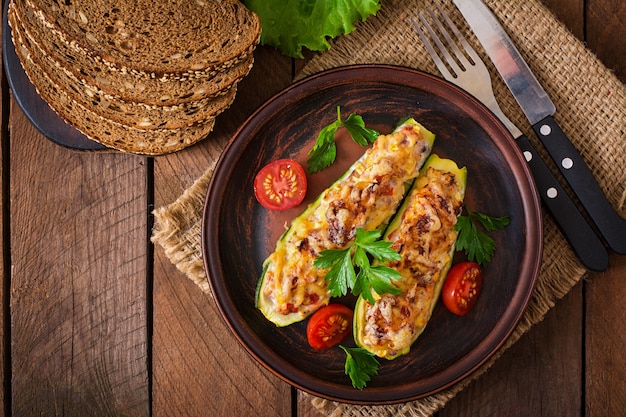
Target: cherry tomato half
x=329 y=325
x=462 y=286
x=280 y=185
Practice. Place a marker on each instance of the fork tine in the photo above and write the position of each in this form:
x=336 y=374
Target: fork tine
x=429 y=47
x=471 y=76
x=459 y=64
x=445 y=32
x=455 y=30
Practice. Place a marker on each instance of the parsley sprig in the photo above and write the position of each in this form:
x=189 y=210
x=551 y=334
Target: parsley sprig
x=324 y=151
x=360 y=366
x=478 y=245
x=343 y=276
x=343 y=263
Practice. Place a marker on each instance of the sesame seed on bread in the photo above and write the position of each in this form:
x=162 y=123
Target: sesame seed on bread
x=105 y=131
x=131 y=113
x=163 y=39
x=147 y=80
x=125 y=85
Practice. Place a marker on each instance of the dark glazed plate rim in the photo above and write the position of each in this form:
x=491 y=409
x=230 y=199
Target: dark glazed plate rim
x=284 y=351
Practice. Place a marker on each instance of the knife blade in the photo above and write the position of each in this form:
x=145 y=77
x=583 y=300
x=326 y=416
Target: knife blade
x=581 y=237
x=539 y=111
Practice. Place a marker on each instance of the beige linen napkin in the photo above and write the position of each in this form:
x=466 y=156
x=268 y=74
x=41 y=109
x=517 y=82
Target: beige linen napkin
x=590 y=103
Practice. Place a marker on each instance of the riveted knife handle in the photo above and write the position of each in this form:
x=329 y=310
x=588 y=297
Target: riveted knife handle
x=579 y=234
x=570 y=163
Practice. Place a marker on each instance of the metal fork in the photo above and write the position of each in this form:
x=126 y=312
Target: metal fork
x=473 y=76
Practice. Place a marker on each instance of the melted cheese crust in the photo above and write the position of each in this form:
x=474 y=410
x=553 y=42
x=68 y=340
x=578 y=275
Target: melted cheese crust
x=365 y=198
x=424 y=240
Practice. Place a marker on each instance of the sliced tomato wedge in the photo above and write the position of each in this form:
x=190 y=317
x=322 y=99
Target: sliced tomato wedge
x=329 y=325
x=462 y=287
x=280 y=185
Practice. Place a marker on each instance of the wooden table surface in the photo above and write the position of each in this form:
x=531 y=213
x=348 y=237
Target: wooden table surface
x=96 y=321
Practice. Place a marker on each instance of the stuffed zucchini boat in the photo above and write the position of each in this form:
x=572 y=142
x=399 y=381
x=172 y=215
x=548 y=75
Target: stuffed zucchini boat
x=424 y=234
x=365 y=196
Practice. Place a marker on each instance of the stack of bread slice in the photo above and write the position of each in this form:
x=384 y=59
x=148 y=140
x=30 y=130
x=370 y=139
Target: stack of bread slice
x=137 y=76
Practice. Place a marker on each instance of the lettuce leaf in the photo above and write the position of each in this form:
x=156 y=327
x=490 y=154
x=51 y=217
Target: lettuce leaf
x=290 y=25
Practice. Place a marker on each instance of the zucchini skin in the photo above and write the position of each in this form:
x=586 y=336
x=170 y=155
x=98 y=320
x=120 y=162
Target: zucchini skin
x=390 y=327
x=289 y=269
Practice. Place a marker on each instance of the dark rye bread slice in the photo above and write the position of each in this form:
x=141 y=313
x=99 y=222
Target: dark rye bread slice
x=163 y=39
x=139 y=115
x=111 y=83
x=107 y=132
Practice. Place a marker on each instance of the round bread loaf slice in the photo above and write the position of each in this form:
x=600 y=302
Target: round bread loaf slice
x=164 y=40
x=127 y=84
x=105 y=131
x=130 y=113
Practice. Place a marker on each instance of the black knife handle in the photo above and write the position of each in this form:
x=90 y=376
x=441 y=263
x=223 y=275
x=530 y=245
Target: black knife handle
x=570 y=163
x=579 y=234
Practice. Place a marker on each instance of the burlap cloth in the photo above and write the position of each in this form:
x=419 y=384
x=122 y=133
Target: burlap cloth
x=590 y=104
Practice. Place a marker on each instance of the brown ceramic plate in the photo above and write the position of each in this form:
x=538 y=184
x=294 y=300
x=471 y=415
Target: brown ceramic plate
x=238 y=234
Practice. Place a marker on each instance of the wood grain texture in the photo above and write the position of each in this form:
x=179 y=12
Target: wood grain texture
x=199 y=368
x=4 y=242
x=191 y=341
x=600 y=24
x=78 y=288
x=527 y=379
x=605 y=33
x=96 y=329
x=570 y=13
x=605 y=359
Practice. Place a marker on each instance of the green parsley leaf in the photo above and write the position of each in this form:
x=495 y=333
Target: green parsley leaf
x=379 y=278
x=491 y=223
x=342 y=275
x=358 y=132
x=328 y=258
x=360 y=258
x=324 y=152
x=381 y=250
x=360 y=366
x=478 y=246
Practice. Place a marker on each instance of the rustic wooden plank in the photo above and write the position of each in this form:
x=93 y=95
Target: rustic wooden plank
x=571 y=13
x=605 y=390
x=5 y=240
x=78 y=284
x=600 y=23
x=527 y=380
x=199 y=367
x=605 y=366
x=605 y=33
x=191 y=341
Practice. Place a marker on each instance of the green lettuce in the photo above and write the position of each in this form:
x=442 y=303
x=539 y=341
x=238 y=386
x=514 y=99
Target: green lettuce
x=290 y=25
